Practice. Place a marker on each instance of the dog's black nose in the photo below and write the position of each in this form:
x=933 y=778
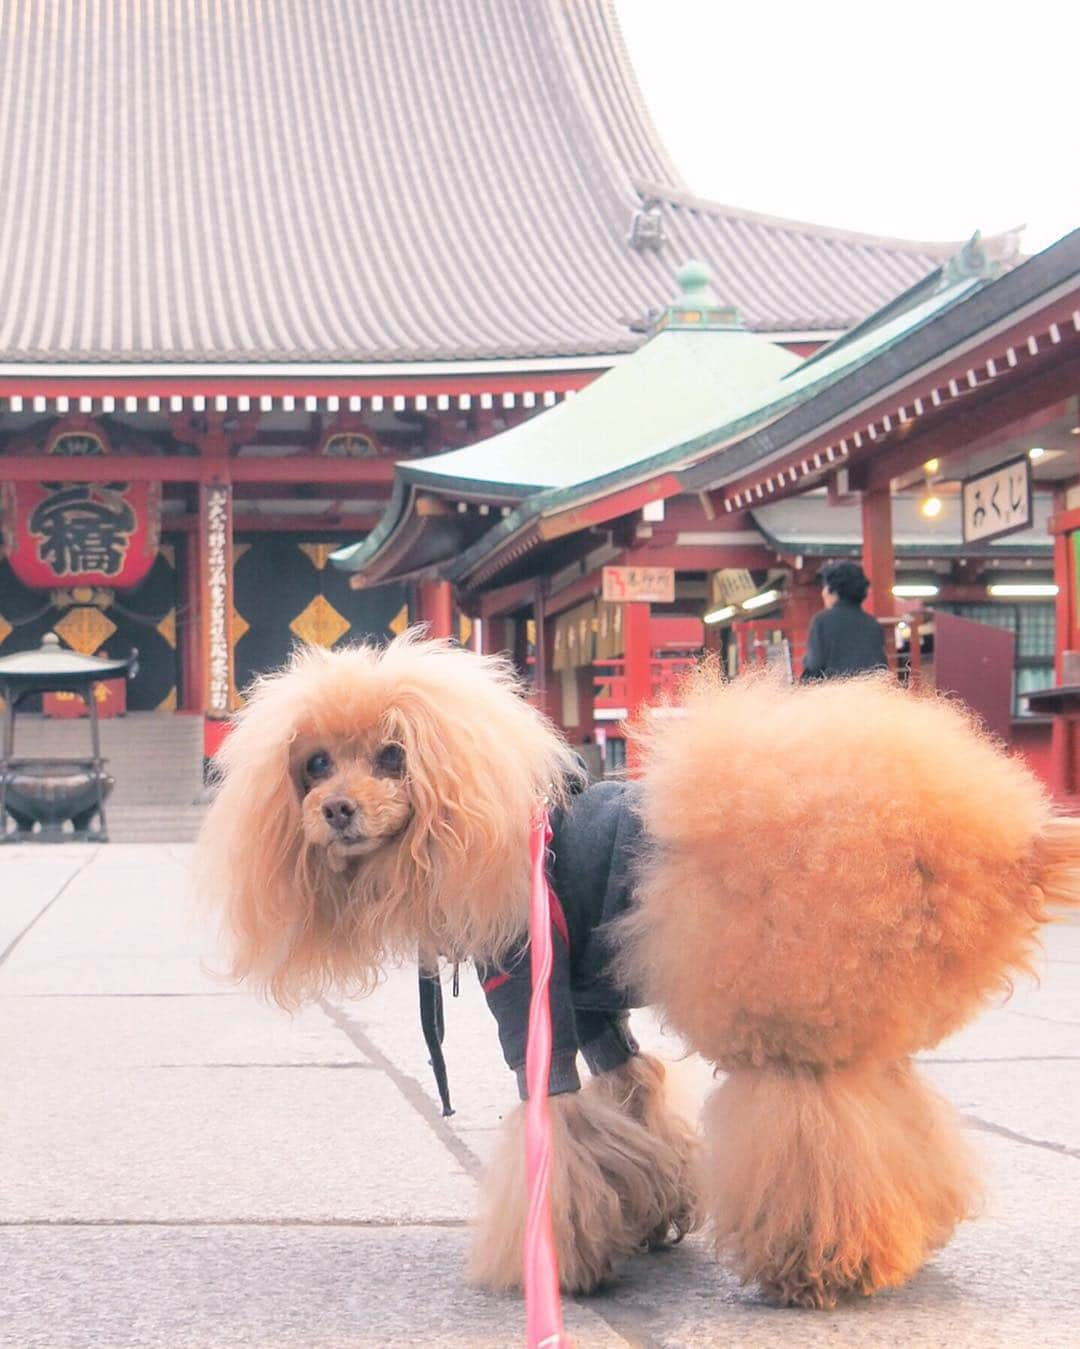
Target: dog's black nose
x=338 y=812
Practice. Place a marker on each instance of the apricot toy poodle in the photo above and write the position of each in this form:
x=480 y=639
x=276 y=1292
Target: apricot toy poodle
x=810 y=884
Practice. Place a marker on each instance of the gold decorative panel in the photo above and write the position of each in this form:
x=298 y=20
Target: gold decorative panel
x=84 y=630
x=168 y=703
x=400 y=621
x=167 y=628
x=320 y=624
x=318 y=552
x=5 y=629
x=240 y=625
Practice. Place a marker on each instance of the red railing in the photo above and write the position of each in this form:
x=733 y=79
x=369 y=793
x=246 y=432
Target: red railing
x=756 y=644
x=609 y=678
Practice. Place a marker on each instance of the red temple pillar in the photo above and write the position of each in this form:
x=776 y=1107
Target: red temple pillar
x=878 y=559
x=547 y=686
x=436 y=603
x=496 y=636
x=215 y=550
x=803 y=602
x=1063 y=734
x=637 y=658
x=1066 y=612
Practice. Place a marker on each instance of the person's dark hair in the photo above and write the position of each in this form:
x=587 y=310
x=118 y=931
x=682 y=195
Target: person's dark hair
x=846 y=579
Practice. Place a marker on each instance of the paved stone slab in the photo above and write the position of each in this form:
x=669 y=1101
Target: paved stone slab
x=1035 y=1100
x=30 y=879
x=275 y=1288
x=1005 y=1036
x=125 y=924
x=189 y=1143
x=73 y=1033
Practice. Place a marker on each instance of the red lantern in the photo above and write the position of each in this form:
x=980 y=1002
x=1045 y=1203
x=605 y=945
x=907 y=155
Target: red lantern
x=82 y=534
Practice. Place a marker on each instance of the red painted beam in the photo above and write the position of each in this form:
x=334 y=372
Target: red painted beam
x=584 y=588
x=604 y=508
x=353 y=525
x=284 y=491
x=128 y=468
x=507 y=599
x=701 y=557
x=312 y=468
x=296 y=468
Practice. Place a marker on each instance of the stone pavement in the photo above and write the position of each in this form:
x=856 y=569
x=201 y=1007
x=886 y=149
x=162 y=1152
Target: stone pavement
x=181 y=1166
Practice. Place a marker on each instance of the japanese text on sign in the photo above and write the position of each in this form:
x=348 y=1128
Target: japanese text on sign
x=998 y=502
x=83 y=528
x=653 y=584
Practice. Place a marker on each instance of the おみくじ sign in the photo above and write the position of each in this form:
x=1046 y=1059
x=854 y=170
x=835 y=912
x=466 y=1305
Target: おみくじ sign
x=998 y=501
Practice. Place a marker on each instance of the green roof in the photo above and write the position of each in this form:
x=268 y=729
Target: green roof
x=734 y=420
x=706 y=400
x=700 y=362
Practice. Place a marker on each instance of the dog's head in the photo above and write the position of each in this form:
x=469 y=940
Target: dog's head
x=355 y=795
x=374 y=802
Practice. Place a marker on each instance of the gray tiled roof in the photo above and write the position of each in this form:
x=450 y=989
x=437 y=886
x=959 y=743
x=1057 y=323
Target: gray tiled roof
x=363 y=180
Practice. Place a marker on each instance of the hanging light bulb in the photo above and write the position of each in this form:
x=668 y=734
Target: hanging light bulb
x=930 y=506
x=931 y=466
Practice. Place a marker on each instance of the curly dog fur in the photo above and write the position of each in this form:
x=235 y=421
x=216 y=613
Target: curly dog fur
x=874 y=873
x=861 y=872
x=622 y=1181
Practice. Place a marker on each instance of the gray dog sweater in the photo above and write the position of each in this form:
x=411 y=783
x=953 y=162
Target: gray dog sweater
x=594 y=850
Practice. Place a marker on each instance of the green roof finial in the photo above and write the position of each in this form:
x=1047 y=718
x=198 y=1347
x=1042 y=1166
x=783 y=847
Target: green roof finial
x=697 y=306
x=693 y=278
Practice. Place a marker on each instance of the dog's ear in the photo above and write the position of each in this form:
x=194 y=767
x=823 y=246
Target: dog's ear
x=479 y=762
x=249 y=854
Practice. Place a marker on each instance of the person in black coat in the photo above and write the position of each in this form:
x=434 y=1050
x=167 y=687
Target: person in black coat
x=843 y=640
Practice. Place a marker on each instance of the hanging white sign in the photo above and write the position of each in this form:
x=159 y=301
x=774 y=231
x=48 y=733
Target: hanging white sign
x=998 y=501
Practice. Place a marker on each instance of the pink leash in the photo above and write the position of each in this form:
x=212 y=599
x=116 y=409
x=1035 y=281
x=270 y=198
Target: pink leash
x=543 y=1305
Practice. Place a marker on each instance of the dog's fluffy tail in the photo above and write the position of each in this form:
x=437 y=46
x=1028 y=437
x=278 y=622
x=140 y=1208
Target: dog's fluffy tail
x=1057 y=867
x=621 y=1181
x=836 y=873
x=821 y=1185
x=837 y=877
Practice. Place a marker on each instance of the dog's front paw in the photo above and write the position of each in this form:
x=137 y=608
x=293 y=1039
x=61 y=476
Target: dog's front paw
x=619 y=1185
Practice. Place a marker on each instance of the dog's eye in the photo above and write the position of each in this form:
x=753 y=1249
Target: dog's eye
x=390 y=761
x=319 y=765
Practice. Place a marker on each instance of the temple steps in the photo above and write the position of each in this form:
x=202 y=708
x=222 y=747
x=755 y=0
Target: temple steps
x=154 y=757
x=154 y=824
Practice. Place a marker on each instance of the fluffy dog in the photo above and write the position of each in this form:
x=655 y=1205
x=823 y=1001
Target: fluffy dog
x=810 y=883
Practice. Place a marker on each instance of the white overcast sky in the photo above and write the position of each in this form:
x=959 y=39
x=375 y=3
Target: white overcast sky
x=915 y=119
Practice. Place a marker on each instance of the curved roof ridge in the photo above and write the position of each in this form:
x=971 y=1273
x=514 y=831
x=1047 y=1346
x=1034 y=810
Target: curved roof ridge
x=706 y=206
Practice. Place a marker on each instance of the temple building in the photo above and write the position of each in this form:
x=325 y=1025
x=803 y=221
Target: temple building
x=687 y=498
x=247 y=268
